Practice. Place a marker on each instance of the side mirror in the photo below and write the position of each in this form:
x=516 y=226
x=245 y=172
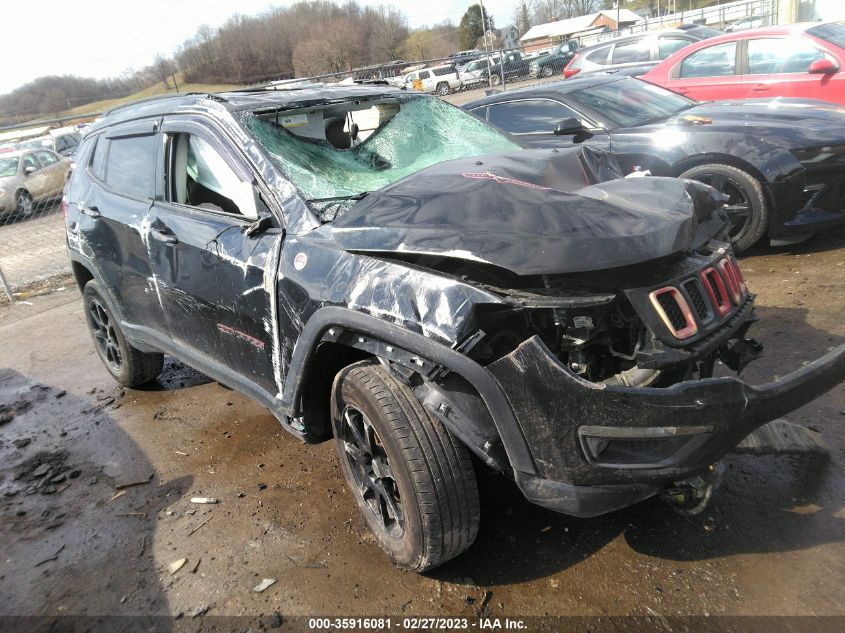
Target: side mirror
x=571 y=127
x=823 y=67
x=28 y=170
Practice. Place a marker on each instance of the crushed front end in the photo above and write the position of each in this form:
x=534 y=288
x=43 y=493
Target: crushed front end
x=611 y=378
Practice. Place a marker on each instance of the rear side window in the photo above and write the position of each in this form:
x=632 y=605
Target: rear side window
x=98 y=159
x=442 y=71
x=668 y=45
x=831 y=33
x=768 y=56
x=713 y=61
x=425 y=74
x=599 y=56
x=636 y=51
x=46 y=158
x=130 y=166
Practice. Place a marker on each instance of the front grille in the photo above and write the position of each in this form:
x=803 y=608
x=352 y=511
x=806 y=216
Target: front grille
x=714 y=286
x=699 y=304
x=673 y=311
x=714 y=292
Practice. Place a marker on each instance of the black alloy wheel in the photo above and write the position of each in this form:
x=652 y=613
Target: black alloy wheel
x=373 y=475
x=105 y=337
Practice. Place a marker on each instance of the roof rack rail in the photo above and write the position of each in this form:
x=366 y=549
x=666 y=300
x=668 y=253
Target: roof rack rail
x=170 y=95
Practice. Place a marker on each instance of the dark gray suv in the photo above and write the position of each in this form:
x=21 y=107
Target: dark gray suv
x=388 y=271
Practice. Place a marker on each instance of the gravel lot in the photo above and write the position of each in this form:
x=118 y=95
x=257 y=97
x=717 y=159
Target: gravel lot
x=771 y=543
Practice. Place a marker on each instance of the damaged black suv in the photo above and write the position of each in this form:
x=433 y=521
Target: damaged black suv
x=387 y=270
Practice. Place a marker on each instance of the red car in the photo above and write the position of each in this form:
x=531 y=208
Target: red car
x=799 y=60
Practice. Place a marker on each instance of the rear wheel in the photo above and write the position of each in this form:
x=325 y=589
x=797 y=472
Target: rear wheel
x=412 y=480
x=442 y=88
x=127 y=365
x=746 y=203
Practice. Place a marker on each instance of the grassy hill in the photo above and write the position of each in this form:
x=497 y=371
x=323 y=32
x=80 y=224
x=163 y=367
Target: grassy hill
x=157 y=89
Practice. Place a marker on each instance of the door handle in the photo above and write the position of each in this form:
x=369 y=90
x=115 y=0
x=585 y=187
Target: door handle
x=91 y=212
x=761 y=87
x=164 y=236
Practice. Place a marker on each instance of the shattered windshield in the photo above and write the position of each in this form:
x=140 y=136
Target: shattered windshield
x=346 y=150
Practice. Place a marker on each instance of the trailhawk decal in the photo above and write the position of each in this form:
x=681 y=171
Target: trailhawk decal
x=225 y=329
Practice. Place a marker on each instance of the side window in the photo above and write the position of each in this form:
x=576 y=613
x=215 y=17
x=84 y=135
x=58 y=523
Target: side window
x=425 y=74
x=668 y=45
x=46 y=158
x=130 y=166
x=98 y=158
x=529 y=115
x=61 y=143
x=29 y=161
x=629 y=52
x=768 y=56
x=202 y=178
x=713 y=61
x=599 y=56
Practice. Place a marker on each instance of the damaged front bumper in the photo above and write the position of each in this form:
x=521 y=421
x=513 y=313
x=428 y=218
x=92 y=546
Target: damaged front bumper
x=598 y=448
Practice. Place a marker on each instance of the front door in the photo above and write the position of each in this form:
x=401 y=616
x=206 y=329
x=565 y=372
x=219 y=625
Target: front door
x=217 y=283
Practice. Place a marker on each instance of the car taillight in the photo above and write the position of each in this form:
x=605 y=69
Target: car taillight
x=674 y=311
x=63 y=207
x=571 y=69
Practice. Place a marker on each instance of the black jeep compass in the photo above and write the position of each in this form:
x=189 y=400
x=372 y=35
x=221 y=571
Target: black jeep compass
x=387 y=270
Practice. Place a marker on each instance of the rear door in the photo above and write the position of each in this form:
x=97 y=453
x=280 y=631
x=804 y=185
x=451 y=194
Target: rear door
x=709 y=73
x=779 y=67
x=54 y=169
x=36 y=177
x=216 y=293
x=634 y=56
x=113 y=224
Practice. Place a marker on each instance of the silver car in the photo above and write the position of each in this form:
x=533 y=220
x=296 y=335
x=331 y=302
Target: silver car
x=30 y=177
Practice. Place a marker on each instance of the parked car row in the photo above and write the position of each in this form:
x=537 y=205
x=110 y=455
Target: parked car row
x=30 y=177
x=802 y=60
x=385 y=271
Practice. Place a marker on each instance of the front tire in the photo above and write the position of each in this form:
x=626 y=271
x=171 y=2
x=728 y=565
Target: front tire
x=412 y=480
x=746 y=204
x=128 y=366
x=25 y=205
x=547 y=71
x=495 y=80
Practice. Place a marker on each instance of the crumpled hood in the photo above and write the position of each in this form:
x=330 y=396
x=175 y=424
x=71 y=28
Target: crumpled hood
x=795 y=123
x=533 y=212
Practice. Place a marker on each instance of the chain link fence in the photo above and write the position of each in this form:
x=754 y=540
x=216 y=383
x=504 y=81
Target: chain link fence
x=32 y=231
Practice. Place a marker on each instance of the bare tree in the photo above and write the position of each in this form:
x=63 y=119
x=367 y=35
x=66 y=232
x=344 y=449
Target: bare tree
x=164 y=68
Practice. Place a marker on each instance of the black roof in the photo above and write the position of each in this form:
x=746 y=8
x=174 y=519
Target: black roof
x=247 y=99
x=564 y=86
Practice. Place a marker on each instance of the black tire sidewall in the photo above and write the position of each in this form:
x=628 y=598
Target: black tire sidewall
x=407 y=552
x=24 y=195
x=92 y=291
x=546 y=71
x=440 y=89
x=757 y=223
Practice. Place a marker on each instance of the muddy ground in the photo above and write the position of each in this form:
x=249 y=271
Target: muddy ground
x=71 y=543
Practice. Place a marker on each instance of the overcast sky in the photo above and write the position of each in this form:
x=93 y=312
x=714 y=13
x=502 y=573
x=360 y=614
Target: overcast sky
x=96 y=38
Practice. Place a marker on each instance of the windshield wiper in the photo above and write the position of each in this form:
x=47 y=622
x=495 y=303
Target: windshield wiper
x=355 y=196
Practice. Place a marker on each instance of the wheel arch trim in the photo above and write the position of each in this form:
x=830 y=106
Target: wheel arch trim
x=484 y=383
